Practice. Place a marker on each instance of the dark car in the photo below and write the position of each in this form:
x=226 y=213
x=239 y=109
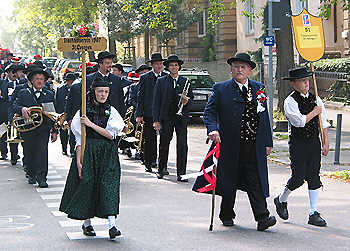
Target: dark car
x=202 y=85
x=49 y=62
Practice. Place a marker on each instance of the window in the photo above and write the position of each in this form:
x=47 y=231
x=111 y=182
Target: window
x=301 y=4
x=202 y=23
x=249 y=20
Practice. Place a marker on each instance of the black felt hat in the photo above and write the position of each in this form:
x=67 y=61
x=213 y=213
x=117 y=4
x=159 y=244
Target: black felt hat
x=298 y=73
x=155 y=57
x=70 y=76
x=99 y=82
x=119 y=67
x=11 y=68
x=173 y=58
x=37 y=71
x=104 y=54
x=143 y=67
x=242 y=57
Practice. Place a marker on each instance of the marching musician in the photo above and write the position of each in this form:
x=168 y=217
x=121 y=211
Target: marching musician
x=166 y=115
x=60 y=104
x=236 y=116
x=36 y=141
x=144 y=110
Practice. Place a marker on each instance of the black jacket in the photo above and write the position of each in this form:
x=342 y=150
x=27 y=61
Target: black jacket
x=27 y=98
x=163 y=100
x=145 y=94
x=116 y=94
x=61 y=98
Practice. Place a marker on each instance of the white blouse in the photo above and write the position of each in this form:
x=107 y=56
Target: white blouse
x=294 y=116
x=115 y=125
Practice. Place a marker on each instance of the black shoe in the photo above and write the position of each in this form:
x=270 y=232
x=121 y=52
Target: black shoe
x=148 y=169
x=179 y=178
x=114 y=232
x=266 y=223
x=316 y=220
x=43 y=184
x=13 y=162
x=165 y=172
x=31 y=180
x=128 y=153
x=88 y=231
x=64 y=153
x=227 y=223
x=3 y=157
x=281 y=208
x=154 y=165
x=160 y=175
x=138 y=156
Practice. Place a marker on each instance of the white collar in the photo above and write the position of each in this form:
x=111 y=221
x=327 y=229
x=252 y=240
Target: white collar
x=103 y=74
x=177 y=78
x=304 y=95
x=156 y=74
x=35 y=90
x=241 y=85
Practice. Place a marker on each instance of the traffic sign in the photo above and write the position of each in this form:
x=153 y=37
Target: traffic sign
x=82 y=44
x=269 y=40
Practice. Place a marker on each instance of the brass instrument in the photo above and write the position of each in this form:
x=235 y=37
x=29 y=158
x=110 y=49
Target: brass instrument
x=13 y=136
x=183 y=96
x=138 y=136
x=127 y=120
x=35 y=120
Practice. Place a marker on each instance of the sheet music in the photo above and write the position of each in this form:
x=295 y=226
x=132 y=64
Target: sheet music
x=48 y=107
x=3 y=129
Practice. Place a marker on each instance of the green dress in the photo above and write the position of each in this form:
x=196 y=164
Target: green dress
x=97 y=194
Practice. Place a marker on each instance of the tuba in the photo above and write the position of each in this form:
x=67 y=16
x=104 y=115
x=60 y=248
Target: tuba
x=35 y=120
x=58 y=119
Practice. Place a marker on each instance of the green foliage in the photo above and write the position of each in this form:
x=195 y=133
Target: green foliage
x=325 y=6
x=278 y=115
x=333 y=65
x=344 y=174
x=209 y=44
x=215 y=12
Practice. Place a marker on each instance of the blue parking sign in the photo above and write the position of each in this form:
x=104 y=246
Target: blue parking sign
x=269 y=40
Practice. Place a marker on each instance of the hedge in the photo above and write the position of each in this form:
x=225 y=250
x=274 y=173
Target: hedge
x=333 y=65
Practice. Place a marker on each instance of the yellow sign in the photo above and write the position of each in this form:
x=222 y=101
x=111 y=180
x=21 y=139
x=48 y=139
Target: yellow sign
x=308 y=35
x=82 y=44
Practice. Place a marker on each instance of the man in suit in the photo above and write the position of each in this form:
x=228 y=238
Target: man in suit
x=36 y=141
x=60 y=104
x=166 y=117
x=236 y=116
x=118 y=69
x=144 y=110
x=105 y=61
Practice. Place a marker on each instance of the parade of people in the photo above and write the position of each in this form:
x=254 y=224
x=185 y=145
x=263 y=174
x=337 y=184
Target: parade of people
x=141 y=125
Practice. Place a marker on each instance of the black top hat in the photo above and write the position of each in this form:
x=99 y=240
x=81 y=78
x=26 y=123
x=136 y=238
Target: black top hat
x=104 y=54
x=143 y=67
x=37 y=71
x=155 y=57
x=70 y=76
x=173 y=58
x=242 y=57
x=119 y=67
x=298 y=73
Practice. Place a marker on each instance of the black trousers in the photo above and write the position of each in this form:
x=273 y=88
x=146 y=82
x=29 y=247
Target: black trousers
x=149 y=142
x=71 y=142
x=36 y=149
x=4 y=149
x=249 y=179
x=305 y=157
x=64 y=139
x=166 y=135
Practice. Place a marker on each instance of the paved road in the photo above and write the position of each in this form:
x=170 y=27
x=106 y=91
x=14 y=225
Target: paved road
x=166 y=215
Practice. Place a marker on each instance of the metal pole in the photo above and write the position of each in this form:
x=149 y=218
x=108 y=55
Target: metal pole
x=337 y=140
x=271 y=90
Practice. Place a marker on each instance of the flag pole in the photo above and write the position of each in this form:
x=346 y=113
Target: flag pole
x=212 y=203
x=83 y=105
x=316 y=94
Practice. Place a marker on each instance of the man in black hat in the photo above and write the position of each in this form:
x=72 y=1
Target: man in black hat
x=302 y=109
x=166 y=118
x=36 y=141
x=236 y=116
x=105 y=61
x=60 y=104
x=118 y=69
x=144 y=110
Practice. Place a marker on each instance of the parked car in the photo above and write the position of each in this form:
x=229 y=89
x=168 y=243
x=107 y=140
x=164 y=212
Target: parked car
x=49 y=62
x=202 y=85
x=69 y=65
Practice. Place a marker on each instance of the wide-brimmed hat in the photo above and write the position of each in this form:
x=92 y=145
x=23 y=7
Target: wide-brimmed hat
x=99 y=82
x=119 y=67
x=143 y=67
x=104 y=54
x=298 y=73
x=70 y=76
x=173 y=58
x=242 y=57
x=155 y=57
x=37 y=71
x=11 y=68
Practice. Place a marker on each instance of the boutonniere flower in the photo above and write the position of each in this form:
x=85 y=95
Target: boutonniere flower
x=107 y=112
x=261 y=98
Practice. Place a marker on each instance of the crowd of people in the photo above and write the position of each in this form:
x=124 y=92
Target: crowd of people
x=156 y=99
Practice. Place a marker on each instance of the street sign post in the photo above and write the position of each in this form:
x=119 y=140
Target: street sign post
x=269 y=40
x=82 y=44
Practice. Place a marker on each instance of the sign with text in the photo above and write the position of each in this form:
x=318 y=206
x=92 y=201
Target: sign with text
x=269 y=40
x=309 y=36
x=82 y=44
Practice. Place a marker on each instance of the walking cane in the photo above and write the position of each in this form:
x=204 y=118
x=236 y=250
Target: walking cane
x=212 y=203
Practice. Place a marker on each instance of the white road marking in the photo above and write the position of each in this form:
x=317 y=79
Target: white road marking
x=50 y=189
x=77 y=223
x=51 y=196
x=99 y=235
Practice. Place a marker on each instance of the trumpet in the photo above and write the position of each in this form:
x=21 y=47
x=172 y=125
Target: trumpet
x=127 y=119
x=138 y=136
x=183 y=96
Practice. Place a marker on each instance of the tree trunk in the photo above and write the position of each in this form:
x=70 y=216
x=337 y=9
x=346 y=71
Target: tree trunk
x=146 y=46
x=285 y=61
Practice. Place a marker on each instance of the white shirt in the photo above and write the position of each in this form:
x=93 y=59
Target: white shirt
x=241 y=85
x=157 y=74
x=292 y=112
x=115 y=125
x=103 y=74
x=37 y=92
x=175 y=81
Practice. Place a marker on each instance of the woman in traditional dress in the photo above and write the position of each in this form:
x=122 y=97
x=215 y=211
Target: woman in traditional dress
x=92 y=187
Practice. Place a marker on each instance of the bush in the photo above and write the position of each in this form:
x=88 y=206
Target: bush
x=333 y=65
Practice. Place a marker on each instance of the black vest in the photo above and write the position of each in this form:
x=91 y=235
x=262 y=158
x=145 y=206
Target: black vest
x=99 y=115
x=250 y=119
x=306 y=105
